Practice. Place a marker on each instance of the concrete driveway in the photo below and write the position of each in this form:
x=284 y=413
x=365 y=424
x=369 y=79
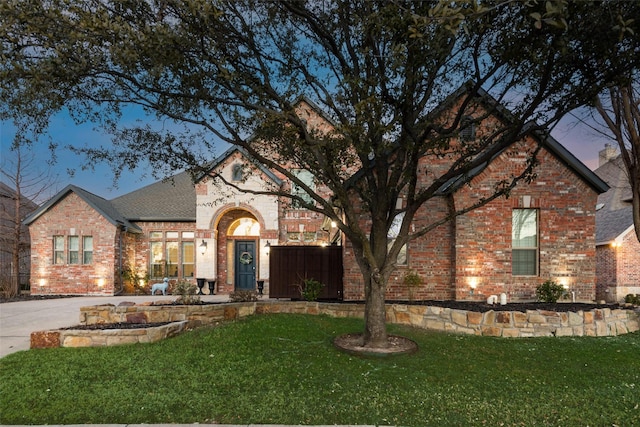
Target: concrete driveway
x=19 y=319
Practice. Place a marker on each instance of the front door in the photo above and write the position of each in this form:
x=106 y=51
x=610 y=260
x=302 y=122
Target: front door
x=245 y=265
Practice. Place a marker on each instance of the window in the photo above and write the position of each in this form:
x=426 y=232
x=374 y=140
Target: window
x=157 y=261
x=172 y=254
x=58 y=249
x=172 y=259
x=524 y=242
x=307 y=178
x=87 y=249
x=392 y=235
x=188 y=259
x=467 y=129
x=237 y=173
x=74 y=247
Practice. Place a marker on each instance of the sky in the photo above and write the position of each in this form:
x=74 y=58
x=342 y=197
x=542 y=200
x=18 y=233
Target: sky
x=579 y=139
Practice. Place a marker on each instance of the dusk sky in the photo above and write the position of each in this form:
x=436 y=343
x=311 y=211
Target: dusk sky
x=580 y=140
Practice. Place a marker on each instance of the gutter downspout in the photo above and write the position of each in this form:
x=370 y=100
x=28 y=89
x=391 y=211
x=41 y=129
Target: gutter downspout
x=122 y=229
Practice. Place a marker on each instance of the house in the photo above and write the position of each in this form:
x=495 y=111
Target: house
x=617 y=246
x=9 y=203
x=208 y=230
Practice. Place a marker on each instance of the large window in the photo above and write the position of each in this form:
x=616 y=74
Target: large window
x=524 y=242
x=71 y=254
x=58 y=249
x=172 y=254
x=74 y=248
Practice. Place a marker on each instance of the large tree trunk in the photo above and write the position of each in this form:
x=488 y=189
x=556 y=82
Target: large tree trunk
x=635 y=202
x=375 y=329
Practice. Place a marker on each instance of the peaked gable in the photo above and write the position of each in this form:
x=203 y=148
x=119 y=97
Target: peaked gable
x=100 y=205
x=220 y=160
x=542 y=136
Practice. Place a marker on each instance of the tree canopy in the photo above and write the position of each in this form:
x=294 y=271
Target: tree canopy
x=380 y=70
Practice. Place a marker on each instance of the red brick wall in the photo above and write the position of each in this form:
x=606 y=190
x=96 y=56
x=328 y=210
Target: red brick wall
x=71 y=216
x=477 y=246
x=566 y=231
x=607 y=271
x=629 y=260
x=618 y=267
x=138 y=245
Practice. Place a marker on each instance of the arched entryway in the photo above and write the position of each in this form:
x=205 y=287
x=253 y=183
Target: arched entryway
x=238 y=262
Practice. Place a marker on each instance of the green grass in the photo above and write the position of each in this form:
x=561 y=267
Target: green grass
x=283 y=369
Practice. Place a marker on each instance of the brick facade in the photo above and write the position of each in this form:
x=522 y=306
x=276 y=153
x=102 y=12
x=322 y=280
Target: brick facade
x=72 y=216
x=475 y=248
x=467 y=258
x=618 y=267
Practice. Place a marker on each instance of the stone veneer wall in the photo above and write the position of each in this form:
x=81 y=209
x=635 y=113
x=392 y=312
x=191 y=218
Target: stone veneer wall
x=532 y=323
x=104 y=337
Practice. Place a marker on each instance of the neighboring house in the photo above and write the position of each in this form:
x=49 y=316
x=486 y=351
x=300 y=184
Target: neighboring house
x=617 y=246
x=8 y=200
x=544 y=230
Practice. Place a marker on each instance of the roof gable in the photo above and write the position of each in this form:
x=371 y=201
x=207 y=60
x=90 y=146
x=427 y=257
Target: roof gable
x=97 y=203
x=614 y=215
x=211 y=167
x=543 y=137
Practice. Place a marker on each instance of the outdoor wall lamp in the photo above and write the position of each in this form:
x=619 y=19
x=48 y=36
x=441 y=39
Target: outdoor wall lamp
x=267 y=248
x=203 y=247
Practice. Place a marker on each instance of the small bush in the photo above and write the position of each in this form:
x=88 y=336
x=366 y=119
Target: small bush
x=411 y=280
x=243 y=296
x=632 y=299
x=310 y=289
x=187 y=292
x=549 y=291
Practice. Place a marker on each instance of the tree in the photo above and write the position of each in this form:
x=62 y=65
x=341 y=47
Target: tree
x=25 y=186
x=619 y=108
x=379 y=69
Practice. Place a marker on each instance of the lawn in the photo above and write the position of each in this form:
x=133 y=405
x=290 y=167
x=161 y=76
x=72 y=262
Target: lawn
x=283 y=369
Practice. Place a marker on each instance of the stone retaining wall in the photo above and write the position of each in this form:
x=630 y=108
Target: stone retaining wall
x=104 y=337
x=532 y=323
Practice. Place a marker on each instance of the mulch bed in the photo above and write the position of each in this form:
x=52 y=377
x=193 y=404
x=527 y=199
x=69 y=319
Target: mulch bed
x=457 y=305
x=106 y=326
x=516 y=306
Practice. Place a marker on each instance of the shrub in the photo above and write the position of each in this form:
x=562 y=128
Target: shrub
x=243 y=296
x=632 y=299
x=549 y=291
x=187 y=292
x=135 y=282
x=310 y=289
x=411 y=280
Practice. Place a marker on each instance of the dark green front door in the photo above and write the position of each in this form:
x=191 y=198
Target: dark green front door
x=245 y=265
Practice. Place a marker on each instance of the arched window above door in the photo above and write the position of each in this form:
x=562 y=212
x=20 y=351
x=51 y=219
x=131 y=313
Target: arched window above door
x=244 y=227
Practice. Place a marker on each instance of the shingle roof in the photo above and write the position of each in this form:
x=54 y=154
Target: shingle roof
x=616 y=214
x=102 y=206
x=172 y=199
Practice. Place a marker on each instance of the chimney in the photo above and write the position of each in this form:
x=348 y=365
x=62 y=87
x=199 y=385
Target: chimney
x=609 y=152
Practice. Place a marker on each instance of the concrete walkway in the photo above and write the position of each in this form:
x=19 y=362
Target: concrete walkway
x=19 y=319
